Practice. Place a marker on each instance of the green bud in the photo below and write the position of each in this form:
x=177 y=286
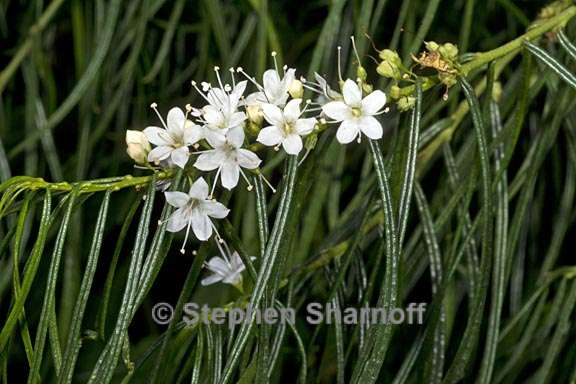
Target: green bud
x=395 y=92
x=310 y=141
x=497 y=91
x=448 y=79
x=389 y=70
x=367 y=88
x=432 y=46
x=361 y=73
x=390 y=56
x=448 y=51
x=406 y=103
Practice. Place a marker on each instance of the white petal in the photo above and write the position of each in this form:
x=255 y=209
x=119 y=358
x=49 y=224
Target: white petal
x=271 y=80
x=209 y=160
x=199 y=189
x=229 y=175
x=237 y=93
x=215 y=137
x=175 y=122
x=373 y=103
x=177 y=221
x=371 y=127
x=305 y=126
x=255 y=98
x=158 y=136
x=270 y=136
x=347 y=131
x=159 y=153
x=248 y=159
x=212 y=279
x=292 y=144
x=235 y=136
x=218 y=265
x=215 y=209
x=217 y=97
x=273 y=114
x=236 y=261
x=233 y=278
x=180 y=156
x=176 y=199
x=192 y=134
x=337 y=110
x=213 y=116
x=237 y=118
x=201 y=225
x=292 y=110
x=352 y=93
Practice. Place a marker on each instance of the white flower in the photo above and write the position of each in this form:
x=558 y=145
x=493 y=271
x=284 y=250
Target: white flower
x=356 y=113
x=137 y=146
x=228 y=272
x=194 y=211
x=228 y=158
x=275 y=90
x=173 y=141
x=221 y=114
x=286 y=128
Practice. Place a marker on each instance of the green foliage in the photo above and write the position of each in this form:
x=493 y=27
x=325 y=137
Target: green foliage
x=467 y=203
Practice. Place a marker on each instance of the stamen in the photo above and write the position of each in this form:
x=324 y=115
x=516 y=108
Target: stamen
x=355 y=50
x=251 y=79
x=183 y=250
x=232 y=77
x=267 y=182
x=211 y=196
x=304 y=157
x=198 y=90
x=217 y=70
x=275 y=62
x=220 y=239
x=250 y=186
x=340 y=63
x=154 y=106
x=308 y=102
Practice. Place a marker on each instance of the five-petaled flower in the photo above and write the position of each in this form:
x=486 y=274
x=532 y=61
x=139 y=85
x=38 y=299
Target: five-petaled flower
x=221 y=114
x=287 y=126
x=228 y=158
x=356 y=113
x=226 y=271
x=194 y=211
x=173 y=141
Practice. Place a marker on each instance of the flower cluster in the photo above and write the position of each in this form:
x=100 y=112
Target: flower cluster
x=222 y=135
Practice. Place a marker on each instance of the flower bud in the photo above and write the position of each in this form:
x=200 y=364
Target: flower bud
x=389 y=70
x=137 y=146
x=361 y=73
x=296 y=90
x=406 y=103
x=432 y=46
x=255 y=114
x=390 y=56
x=448 y=51
x=367 y=88
x=395 y=92
x=497 y=91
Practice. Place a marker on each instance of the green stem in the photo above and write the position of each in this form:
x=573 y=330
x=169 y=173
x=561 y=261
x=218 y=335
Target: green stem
x=512 y=46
